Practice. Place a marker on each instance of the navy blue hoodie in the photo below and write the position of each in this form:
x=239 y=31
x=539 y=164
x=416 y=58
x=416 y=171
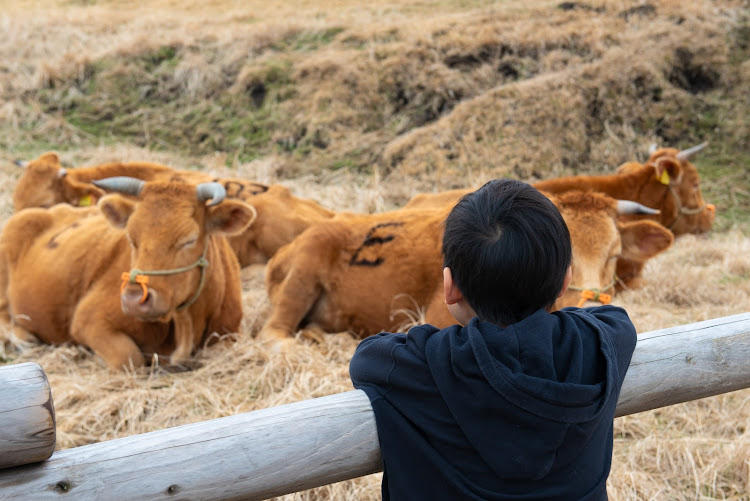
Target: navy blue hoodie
x=489 y=413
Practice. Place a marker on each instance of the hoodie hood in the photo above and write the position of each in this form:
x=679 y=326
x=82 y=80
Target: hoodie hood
x=537 y=386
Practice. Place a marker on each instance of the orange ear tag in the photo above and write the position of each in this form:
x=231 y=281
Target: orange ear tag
x=84 y=201
x=664 y=178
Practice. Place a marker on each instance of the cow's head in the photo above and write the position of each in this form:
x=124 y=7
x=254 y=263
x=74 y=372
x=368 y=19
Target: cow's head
x=676 y=185
x=45 y=182
x=599 y=240
x=170 y=228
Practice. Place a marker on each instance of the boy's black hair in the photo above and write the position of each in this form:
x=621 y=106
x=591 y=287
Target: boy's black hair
x=508 y=249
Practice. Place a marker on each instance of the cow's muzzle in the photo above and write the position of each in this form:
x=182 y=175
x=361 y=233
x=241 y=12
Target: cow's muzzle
x=143 y=301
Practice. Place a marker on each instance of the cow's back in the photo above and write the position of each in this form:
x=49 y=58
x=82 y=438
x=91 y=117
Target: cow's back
x=374 y=272
x=67 y=251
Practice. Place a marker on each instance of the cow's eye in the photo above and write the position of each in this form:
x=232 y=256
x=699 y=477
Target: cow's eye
x=187 y=243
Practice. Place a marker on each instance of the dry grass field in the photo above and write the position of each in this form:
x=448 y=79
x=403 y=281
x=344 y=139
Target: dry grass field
x=359 y=105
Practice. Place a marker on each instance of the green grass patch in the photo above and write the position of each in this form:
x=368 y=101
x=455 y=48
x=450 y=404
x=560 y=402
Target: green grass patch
x=305 y=41
x=725 y=183
x=139 y=101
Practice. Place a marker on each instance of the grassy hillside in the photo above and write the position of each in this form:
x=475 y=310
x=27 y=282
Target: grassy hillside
x=359 y=105
x=436 y=93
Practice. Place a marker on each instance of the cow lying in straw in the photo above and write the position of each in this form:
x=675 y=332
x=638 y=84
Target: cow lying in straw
x=668 y=181
x=127 y=277
x=281 y=216
x=358 y=272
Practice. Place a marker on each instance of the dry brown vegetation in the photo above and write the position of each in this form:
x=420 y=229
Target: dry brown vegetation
x=359 y=105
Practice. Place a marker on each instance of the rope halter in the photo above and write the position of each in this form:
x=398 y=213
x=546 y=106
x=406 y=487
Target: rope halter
x=681 y=210
x=136 y=276
x=664 y=179
x=594 y=294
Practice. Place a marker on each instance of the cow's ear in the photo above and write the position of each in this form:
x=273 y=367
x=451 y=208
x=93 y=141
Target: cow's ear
x=642 y=240
x=668 y=170
x=50 y=157
x=117 y=209
x=230 y=217
x=81 y=194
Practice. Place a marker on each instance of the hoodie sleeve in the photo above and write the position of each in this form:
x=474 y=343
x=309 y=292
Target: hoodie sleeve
x=621 y=331
x=373 y=362
x=378 y=357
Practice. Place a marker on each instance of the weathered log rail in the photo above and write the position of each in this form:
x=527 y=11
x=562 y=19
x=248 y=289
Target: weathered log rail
x=27 y=416
x=298 y=446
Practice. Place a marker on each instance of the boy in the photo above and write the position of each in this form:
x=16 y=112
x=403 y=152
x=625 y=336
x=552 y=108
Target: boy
x=515 y=402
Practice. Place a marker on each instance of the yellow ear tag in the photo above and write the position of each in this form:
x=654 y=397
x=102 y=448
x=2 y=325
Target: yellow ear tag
x=664 y=178
x=84 y=201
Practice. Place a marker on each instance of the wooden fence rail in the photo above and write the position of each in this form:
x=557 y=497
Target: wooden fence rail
x=298 y=446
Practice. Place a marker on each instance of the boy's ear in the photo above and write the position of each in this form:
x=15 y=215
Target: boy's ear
x=566 y=281
x=452 y=294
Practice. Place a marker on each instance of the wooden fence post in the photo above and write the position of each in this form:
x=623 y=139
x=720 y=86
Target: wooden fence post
x=27 y=415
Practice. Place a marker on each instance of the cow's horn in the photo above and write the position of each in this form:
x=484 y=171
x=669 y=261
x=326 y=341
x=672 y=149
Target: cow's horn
x=121 y=184
x=21 y=163
x=630 y=207
x=652 y=149
x=213 y=191
x=62 y=172
x=686 y=154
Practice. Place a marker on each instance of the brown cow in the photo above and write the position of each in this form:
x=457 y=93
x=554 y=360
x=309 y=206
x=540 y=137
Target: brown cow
x=668 y=182
x=281 y=216
x=683 y=209
x=357 y=272
x=126 y=277
x=45 y=182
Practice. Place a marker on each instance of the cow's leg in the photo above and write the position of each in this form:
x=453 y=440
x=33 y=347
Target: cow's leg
x=92 y=328
x=292 y=299
x=11 y=330
x=117 y=349
x=184 y=337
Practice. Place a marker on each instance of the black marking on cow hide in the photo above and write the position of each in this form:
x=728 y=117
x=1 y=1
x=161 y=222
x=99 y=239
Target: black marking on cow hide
x=258 y=188
x=369 y=241
x=236 y=188
x=52 y=243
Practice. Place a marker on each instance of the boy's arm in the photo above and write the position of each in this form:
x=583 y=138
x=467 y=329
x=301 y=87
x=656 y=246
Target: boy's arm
x=373 y=360
x=622 y=332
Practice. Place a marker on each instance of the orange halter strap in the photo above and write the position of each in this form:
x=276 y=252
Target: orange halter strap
x=595 y=294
